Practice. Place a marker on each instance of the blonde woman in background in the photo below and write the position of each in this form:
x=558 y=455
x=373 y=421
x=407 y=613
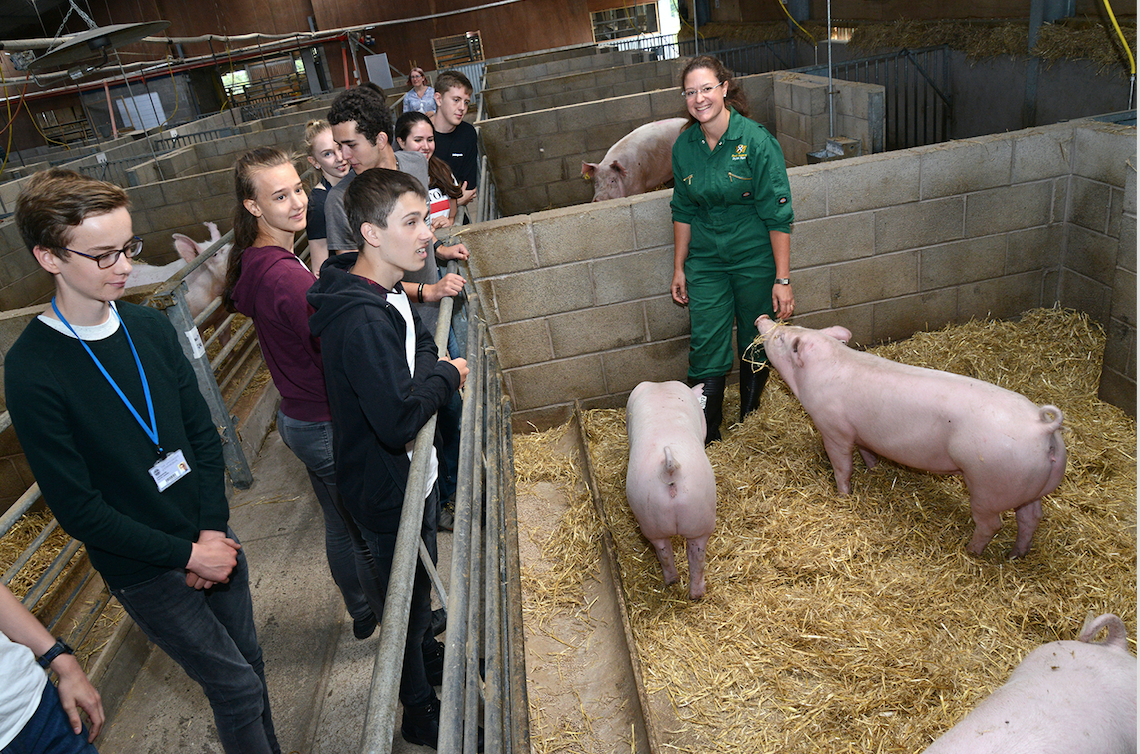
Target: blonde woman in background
x=324 y=155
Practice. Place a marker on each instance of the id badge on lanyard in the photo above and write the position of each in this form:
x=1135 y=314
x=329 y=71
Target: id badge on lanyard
x=170 y=467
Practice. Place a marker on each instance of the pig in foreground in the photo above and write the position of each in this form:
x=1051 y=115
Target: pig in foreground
x=1066 y=697
x=670 y=484
x=640 y=161
x=1009 y=450
x=203 y=284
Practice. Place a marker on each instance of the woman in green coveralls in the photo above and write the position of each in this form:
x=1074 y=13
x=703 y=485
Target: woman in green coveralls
x=732 y=216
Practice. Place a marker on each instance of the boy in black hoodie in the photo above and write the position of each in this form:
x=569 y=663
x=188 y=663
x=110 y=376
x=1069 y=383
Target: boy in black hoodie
x=385 y=380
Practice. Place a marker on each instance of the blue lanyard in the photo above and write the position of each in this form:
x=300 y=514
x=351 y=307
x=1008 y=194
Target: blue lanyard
x=152 y=429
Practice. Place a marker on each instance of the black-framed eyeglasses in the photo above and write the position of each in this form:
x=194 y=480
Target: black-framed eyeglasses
x=109 y=258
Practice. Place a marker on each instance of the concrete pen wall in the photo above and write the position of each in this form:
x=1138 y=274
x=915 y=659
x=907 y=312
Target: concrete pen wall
x=577 y=299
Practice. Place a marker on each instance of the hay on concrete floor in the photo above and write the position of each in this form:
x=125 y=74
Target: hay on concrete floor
x=859 y=623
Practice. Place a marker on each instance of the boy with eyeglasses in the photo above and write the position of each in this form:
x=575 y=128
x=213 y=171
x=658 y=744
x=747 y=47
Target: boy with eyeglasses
x=122 y=445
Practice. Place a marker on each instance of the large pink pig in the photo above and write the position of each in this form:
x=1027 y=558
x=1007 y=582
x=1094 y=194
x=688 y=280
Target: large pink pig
x=1066 y=697
x=670 y=484
x=640 y=161
x=1009 y=450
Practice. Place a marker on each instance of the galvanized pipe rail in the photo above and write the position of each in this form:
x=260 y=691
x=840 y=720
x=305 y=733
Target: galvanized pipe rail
x=170 y=297
x=170 y=143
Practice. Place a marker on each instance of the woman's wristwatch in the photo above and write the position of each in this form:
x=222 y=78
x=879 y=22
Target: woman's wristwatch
x=783 y=281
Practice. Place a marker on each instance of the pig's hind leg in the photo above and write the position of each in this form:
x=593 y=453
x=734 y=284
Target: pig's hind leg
x=987 y=521
x=695 y=549
x=1028 y=517
x=664 y=549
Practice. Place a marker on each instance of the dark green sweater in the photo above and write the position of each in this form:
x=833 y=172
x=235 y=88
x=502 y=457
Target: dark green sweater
x=91 y=458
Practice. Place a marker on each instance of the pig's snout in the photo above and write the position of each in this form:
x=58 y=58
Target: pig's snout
x=764 y=324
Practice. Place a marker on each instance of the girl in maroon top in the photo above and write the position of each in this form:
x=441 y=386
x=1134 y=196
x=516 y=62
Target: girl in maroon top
x=267 y=282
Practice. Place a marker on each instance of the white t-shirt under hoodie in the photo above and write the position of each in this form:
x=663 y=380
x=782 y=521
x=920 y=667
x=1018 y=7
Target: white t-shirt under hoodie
x=404 y=307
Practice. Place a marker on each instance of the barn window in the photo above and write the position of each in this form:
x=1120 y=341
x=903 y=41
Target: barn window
x=628 y=21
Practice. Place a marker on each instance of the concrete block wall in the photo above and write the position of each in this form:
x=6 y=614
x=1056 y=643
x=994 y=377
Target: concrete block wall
x=541 y=67
x=132 y=144
x=220 y=154
x=803 y=121
x=179 y=205
x=582 y=86
x=527 y=59
x=577 y=298
x=1098 y=267
x=536 y=157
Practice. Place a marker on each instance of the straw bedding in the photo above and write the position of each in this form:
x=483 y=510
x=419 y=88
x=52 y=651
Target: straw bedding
x=860 y=623
x=17 y=540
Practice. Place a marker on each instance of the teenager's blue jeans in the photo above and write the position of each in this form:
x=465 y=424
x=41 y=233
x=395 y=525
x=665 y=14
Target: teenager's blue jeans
x=211 y=634
x=49 y=731
x=414 y=687
x=348 y=556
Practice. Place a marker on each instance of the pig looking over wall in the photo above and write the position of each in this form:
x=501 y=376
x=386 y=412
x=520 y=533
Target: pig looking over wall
x=640 y=161
x=203 y=284
x=1009 y=450
x=670 y=483
x=1066 y=697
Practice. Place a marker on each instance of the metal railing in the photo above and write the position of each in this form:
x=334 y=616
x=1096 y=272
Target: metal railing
x=115 y=171
x=487 y=199
x=917 y=87
x=760 y=57
x=659 y=46
x=743 y=60
x=56 y=571
x=170 y=297
x=485 y=604
x=170 y=143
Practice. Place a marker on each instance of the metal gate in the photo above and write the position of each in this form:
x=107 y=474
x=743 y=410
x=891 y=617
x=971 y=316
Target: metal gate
x=917 y=84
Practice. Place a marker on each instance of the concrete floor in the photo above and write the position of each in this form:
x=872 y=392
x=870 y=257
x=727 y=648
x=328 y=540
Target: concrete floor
x=318 y=673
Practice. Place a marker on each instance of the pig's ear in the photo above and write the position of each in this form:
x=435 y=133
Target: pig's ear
x=617 y=166
x=214 y=234
x=699 y=391
x=186 y=247
x=588 y=169
x=799 y=346
x=841 y=334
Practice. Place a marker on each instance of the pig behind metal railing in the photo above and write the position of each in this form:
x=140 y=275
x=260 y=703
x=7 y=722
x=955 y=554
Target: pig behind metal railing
x=204 y=284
